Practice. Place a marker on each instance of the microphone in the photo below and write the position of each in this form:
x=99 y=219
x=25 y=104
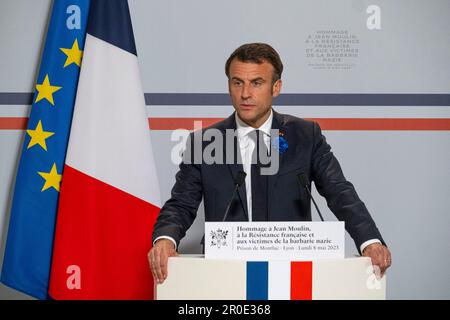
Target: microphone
x=238 y=181
x=304 y=182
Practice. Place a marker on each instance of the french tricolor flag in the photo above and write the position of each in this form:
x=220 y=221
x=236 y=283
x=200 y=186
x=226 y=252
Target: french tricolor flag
x=109 y=197
x=279 y=280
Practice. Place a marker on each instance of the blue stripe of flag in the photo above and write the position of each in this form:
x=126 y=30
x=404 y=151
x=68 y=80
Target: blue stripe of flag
x=257 y=280
x=115 y=15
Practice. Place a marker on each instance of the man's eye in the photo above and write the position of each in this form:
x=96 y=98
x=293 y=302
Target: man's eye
x=257 y=84
x=237 y=83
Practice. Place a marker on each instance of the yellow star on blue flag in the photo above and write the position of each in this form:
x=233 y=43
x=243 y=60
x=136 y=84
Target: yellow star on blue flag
x=73 y=54
x=46 y=91
x=38 y=136
x=52 y=178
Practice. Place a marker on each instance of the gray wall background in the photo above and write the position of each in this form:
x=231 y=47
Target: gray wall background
x=402 y=176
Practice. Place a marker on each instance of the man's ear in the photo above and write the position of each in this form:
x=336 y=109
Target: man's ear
x=276 y=88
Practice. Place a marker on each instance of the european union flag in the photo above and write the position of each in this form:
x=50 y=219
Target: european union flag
x=28 y=253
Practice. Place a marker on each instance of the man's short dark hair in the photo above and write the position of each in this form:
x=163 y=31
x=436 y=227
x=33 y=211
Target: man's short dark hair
x=257 y=53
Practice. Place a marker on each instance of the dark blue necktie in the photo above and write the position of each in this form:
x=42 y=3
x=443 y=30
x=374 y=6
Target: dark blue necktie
x=259 y=182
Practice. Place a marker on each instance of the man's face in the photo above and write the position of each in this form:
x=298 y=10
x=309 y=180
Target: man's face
x=251 y=90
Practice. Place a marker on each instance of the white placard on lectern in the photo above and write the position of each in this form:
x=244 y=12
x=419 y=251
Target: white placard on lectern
x=273 y=240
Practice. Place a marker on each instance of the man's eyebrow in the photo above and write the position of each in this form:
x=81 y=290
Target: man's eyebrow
x=252 y=80
x=258 y=79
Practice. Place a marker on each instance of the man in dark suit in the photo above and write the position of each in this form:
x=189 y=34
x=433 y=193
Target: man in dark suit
x=254 y=79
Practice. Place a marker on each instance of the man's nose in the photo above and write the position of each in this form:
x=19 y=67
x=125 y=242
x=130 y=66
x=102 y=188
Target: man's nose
x=246 y=92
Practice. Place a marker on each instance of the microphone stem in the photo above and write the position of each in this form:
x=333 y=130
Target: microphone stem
x=229 y=203
x=315 y=204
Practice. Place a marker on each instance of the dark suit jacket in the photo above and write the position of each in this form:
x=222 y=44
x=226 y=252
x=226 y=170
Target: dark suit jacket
x=308 y=152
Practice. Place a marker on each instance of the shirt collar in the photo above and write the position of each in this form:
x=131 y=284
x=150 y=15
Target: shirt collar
x=244 y=129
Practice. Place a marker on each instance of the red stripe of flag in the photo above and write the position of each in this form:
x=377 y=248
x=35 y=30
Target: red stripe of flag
x=106 y=233
x=301 y=280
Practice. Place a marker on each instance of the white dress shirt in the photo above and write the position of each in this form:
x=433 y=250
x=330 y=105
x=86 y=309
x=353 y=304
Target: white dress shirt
x=246 y=146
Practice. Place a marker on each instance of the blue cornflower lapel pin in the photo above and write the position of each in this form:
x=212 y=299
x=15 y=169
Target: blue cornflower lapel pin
x=280 y=143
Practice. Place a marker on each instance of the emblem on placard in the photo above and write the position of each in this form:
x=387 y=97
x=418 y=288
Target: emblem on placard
x=219 y=238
